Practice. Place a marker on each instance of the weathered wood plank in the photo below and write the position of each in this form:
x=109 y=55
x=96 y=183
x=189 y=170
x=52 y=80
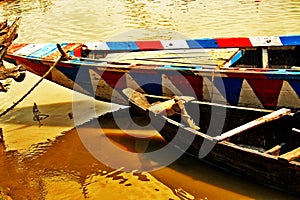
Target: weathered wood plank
x=188 y=129
x=214 y=57
x=137 y=98
x=265 y=58
x=274 y=151
x=267 y=118
x=166 y=106
x=291 y=155
x=295 y=130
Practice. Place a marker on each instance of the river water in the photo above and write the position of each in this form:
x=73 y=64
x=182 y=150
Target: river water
x=94 y=20
x=64 y=169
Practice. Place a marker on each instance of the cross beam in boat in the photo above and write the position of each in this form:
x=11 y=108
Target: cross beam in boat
x=267 y=118
x=291 y=155
x=188 y=129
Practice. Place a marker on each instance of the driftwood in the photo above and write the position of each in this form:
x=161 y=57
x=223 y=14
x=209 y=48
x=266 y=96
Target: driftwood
x=7 y=35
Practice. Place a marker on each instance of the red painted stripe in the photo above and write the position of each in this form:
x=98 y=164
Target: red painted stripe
x=266 y=90
x=190 y=84
x=234 y=42
x=34 y=67
x=15 y=47
x=114 y=78
x=77 y=51
x=148 y=45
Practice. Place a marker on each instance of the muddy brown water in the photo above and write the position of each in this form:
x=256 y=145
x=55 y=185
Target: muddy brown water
x=50 y=162
x=64 y=169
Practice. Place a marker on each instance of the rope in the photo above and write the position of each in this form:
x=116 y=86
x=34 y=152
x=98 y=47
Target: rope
x=24 y=96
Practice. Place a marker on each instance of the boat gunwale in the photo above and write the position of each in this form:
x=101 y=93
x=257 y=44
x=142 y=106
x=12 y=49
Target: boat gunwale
x=194 y=69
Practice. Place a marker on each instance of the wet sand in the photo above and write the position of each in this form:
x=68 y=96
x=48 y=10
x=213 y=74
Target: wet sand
x=51 y=162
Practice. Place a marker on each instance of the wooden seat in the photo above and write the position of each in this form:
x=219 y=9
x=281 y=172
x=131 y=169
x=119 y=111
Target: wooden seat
x=274 y=151
x=257 y=122
x=291 y=155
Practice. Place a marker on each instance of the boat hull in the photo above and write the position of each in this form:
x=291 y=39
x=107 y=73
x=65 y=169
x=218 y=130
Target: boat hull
x=245 y=154
x=228 y=73
x=269 y=89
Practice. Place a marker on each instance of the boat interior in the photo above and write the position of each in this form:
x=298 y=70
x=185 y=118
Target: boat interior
x=284 y=57
x=273 y=57
x=278 y=136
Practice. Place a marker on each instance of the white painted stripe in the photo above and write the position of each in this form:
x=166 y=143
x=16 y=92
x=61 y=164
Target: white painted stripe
x=288 y=97
x=103 y=90
x=174 y=44
x=29 y=49
x=131 y=83
x=248 y=98
x=168 y=88
x=211 y=92
x=265 y=41
x=97 y=45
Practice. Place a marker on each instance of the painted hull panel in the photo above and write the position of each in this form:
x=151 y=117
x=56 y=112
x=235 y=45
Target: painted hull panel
x=105 y=77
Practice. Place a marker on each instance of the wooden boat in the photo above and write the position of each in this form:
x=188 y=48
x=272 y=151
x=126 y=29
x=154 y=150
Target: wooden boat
x=258 y=72
x=261 y=145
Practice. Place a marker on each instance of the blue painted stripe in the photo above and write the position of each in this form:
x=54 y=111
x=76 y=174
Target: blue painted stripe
x=119 y=46
x=237 y=56
x=207 y=43
x=283 y=74
x=150 y=83
x=233 y=87
x=45 y=51
x=229 y=88
x=193 y=44
x=296 y=86
x=290 y=40
x=202 y=43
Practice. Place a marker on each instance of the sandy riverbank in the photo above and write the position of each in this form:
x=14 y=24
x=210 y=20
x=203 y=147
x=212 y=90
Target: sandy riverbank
x=48 y=161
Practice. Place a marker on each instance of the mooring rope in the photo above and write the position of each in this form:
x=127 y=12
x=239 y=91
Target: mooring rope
x=24 y=96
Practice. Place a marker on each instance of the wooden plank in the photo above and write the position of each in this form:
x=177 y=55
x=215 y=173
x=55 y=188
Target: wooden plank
x=292 y=155
x=295 y=130
x=265 y=58
x=175 y=57
x=188 y=129
x=161 y=107
x=233 y=59
x=29 y=49
x=232 y=107
x=274 y=151
x=136 y=97
x=267 y=118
